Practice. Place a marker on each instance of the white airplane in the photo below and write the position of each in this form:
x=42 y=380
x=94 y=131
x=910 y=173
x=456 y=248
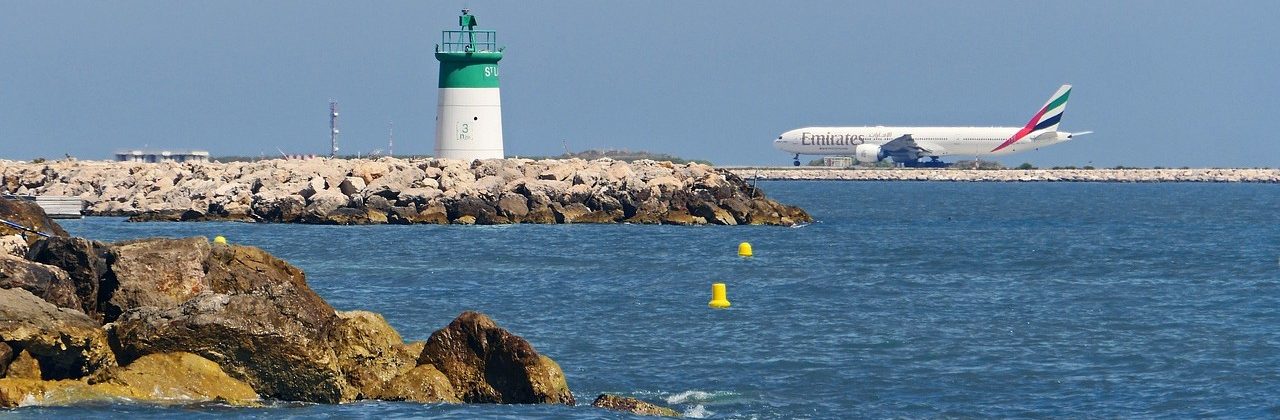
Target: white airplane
x=907 y=145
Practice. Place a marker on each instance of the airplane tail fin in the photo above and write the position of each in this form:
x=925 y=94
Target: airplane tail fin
x=1046 y=119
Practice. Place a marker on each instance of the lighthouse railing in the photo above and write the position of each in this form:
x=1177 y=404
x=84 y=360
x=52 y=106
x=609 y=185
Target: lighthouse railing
x=468 y=41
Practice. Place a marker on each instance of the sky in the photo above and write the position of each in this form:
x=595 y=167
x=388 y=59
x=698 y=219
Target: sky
x=1185 y=83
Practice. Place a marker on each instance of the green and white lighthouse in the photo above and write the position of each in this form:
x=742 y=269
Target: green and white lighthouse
x=469 y=114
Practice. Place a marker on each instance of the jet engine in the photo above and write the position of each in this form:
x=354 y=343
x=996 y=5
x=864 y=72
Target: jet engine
x=868 y=153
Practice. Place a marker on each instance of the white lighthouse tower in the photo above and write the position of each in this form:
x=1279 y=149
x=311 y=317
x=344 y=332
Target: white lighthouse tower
x=469 y=115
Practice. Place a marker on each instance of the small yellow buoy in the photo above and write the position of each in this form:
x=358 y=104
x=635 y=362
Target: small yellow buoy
x=219 y=240
x=718 y=299
x=744 y=249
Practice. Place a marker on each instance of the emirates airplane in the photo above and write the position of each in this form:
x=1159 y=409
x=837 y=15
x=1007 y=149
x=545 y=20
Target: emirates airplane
x=907 y=145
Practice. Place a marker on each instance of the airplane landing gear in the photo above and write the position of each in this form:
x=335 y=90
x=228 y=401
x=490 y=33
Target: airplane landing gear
x=796 y=162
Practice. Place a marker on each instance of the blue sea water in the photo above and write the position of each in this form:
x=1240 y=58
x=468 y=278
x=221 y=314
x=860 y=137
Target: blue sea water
x=903 y=300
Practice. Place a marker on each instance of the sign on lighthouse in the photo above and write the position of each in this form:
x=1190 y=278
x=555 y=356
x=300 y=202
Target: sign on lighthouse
x=469 y=114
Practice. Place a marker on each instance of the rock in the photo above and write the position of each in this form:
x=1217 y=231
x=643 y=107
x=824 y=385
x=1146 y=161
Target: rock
x=248 y=336
x=158 y=272
x=235 y=269
x=352 y=185
x=275 y=207
x=488 y=364
x=88 y=265
x=422 y=383
x=13 y=245
x=29 y=215
x=7 y=355
x=45 y=281
x=633 y=406
x=323 y=203
x=369 y=352
x=513 y=206
x=175 y=378
x=171 y=377
x=67 y=343
x=24 y=366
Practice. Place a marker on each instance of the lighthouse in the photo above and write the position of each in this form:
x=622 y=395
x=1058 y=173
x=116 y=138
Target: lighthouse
x=469 y=111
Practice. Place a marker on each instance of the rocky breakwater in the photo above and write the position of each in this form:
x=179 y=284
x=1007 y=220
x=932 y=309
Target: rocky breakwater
x=1015 y=175
x=184 y=320
x=389 y=190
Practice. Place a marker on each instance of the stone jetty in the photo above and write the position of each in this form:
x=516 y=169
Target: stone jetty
x=182 y=321
x=1013 y=175
x=406 y=191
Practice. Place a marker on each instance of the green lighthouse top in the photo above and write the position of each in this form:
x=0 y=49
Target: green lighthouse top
x=468 y=58
x=467 y=40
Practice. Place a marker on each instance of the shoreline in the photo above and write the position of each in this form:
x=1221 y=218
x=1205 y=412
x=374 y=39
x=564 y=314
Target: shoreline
x=1266 y=176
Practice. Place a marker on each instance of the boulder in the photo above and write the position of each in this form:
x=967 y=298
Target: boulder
x=158 y=272
x=422 y=384
x=24 y=366
x=274 y=207
x=351 y=185
x=632 y=405
x=14 y=245
x=172 y=377
x=369 y=352
x=247 y=335
x=29 y=215
x=88 y=263
x=45 y=281
x=488 y=364
x=6 y=356
x=246 y=270
x=67 y=343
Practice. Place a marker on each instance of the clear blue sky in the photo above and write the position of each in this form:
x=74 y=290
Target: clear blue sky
x=1162 y=83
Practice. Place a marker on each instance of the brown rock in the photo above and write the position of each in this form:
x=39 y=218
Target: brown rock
x=24 y=366
x=633 y=406
x=423 y=384
x=6 y=356
x=488 y=364
x=246 y=270
x=45 y=281
x=250 y=337
x=66 y=342
x=369 y=352
x=158 y=272
x=87 y=263
x=174 y=376
x=29 y=215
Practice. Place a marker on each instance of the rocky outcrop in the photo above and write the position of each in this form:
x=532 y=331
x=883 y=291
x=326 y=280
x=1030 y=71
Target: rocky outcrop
x=45 y=281
x=223 y=322
x=632 y=405
x=168 y=378
x=66 y=343
x=488 y=364
x=88 y=264
x=389 y=190
x=28 y=215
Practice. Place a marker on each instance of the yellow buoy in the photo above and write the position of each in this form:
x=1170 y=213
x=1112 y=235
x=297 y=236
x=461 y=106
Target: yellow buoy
x=744 y=249
x=718 y=299
x=219 y=240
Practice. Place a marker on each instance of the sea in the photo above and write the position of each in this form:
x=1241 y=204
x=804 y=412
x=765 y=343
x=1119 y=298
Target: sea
x=902 y=299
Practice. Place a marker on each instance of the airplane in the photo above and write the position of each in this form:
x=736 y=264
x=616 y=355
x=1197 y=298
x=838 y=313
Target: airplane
x=907 y=145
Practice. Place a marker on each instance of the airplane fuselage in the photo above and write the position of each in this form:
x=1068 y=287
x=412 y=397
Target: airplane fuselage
x=946 y=141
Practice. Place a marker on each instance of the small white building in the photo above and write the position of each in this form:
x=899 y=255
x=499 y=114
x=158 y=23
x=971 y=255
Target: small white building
x=148 y=156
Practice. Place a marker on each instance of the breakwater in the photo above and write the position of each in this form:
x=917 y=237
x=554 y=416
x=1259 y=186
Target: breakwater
x=1014 y=175
x=406 y=191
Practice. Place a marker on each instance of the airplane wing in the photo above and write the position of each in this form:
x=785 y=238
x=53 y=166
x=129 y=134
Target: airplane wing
x=905 y=148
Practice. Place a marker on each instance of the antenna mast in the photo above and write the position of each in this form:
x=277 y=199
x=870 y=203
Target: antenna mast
x=333 y=129
x=391 y=138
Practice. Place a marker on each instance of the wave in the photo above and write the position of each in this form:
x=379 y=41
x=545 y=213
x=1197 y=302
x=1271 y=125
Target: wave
x=695 y=396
